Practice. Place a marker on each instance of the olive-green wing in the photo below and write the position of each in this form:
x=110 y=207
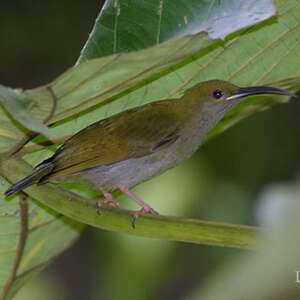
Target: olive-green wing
x=130 y=134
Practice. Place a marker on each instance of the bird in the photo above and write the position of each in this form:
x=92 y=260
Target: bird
x=140 y=143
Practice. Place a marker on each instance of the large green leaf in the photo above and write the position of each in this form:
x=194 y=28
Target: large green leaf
x=98 y=88
x=124 y=26
x=265 y=53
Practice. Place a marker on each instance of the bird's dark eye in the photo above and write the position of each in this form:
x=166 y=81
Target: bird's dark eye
x=218 y=94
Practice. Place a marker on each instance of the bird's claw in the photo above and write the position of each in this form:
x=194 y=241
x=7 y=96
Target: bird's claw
x=144 y=210
x=111 y=202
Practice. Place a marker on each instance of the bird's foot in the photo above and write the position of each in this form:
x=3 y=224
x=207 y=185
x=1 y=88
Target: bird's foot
x=146 y=208
x=108 y=199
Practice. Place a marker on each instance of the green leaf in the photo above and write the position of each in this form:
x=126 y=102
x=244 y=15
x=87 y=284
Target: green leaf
x=27 y=248
x=17 y=105
x=124 y=26
x=96 y=89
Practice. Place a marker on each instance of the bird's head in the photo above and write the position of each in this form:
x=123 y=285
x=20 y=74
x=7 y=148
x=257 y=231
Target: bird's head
x=220 y=96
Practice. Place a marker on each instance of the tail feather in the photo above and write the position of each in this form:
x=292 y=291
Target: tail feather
x=34 y=177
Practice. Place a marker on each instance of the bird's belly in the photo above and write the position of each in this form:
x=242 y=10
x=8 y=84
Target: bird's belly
x=130 y=172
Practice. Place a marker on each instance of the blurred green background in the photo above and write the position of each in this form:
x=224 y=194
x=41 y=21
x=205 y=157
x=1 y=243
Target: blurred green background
x=221 y=182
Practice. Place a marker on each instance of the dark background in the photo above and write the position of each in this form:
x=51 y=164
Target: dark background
x=221 y=182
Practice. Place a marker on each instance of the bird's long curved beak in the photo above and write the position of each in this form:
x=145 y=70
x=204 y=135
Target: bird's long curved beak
x=258 y=90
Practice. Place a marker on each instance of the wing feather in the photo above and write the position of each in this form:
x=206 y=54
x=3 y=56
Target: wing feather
x=130 y=134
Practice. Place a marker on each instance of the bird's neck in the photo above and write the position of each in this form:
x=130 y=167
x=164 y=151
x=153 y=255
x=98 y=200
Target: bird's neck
x=199 y=118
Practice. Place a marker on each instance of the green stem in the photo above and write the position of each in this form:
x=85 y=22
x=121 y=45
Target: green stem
x=170 y=228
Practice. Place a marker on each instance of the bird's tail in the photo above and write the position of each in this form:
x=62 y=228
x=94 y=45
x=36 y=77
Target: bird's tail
x=34 y=177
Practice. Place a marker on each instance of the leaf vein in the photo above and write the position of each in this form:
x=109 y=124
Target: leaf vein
x=262 y=50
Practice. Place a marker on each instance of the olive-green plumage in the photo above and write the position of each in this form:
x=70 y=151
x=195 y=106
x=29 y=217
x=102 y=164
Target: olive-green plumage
x=140 y=143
